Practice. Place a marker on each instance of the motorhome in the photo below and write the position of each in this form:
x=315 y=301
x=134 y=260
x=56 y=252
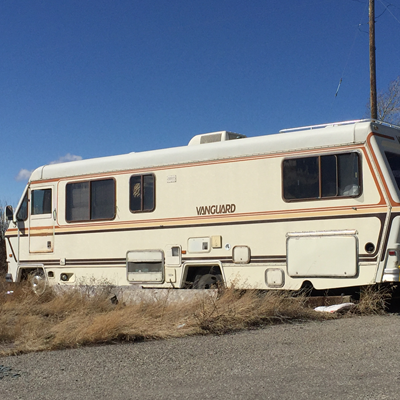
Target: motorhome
x=316 y=206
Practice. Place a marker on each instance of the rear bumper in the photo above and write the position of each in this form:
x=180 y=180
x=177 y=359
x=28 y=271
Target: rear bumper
x=391 y=275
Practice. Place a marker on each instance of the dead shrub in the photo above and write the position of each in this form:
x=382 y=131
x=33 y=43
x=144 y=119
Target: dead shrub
x=373 y=300
x=238 y=309
x=86 y=315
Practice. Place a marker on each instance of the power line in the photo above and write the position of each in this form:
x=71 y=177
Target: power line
x=388 y=9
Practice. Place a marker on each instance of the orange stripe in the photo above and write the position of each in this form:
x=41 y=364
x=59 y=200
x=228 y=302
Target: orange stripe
x=392 y=202
x=203 y=220
x=199 y=163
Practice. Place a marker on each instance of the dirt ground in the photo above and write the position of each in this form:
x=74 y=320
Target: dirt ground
x=352 y=358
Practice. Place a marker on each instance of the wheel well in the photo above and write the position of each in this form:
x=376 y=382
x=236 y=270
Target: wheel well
x=25 y=273
x=194 y=272
x=307 y=285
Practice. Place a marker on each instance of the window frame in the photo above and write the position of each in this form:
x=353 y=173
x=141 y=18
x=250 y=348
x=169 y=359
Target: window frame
x=90 y=200
x=32 y=205
x=142 y=200
x=320 y=197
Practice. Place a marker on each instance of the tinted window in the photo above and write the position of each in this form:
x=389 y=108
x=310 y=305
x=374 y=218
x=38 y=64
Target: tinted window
x=348 y=175
x=300 y=178
x=91 y=200
x=77 y=202
x=321 y=177
x=22 y=213
x=102 y=199
x=328 y=176
x=142 y=193
x=41 y=201
x=394 y=163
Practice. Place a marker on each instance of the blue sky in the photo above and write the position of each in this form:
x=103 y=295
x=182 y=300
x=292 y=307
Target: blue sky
x=83 y=79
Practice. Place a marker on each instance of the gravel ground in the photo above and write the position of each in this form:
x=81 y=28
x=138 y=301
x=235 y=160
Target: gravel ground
x=350 y=358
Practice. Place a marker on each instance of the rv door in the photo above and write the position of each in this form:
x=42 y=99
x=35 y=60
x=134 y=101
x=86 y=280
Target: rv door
x=42 y=219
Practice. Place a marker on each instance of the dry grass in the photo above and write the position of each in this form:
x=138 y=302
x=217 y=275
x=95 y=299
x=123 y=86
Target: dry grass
x=85 y=316
x=374 y=300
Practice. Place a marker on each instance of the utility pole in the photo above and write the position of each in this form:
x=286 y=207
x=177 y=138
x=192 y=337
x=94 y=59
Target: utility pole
x=372 y=64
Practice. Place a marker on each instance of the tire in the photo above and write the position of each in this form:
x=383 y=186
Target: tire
x=207 y=281
x=38 y=281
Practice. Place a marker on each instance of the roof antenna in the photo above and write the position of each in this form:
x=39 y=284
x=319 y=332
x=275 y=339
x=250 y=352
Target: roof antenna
x=337 y=90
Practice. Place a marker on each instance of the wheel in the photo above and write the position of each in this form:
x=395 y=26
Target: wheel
x=207 y=281
x=38 y=281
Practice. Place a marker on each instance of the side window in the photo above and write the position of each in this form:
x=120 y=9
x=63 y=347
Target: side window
x=22 y=213
x=321 y=177
x=394 y=163
x=41 y=201
x=92 y=200
x=102 y=199
x=349 y=182
x=142 y=193
x=300 y=178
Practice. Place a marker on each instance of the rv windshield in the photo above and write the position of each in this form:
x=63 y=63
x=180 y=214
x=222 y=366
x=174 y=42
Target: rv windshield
x=22 y=213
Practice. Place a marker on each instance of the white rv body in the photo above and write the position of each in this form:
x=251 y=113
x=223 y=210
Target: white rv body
x=313 y=206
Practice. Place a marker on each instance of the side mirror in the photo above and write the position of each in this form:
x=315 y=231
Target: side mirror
x=9 y=213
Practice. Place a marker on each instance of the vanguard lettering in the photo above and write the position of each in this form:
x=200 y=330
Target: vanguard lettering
x=216 y=209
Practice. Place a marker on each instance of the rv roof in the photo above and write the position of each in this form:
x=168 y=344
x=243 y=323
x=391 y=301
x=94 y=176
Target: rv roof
x=305 y=138
x=336 y=124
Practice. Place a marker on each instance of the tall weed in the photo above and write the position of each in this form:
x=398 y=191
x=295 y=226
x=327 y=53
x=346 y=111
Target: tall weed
x=86 y=315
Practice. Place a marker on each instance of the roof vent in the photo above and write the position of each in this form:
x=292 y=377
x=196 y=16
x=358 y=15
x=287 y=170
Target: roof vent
x=213 y=137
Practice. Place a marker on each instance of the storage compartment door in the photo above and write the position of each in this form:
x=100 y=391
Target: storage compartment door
x=145 y=266
x=322 y=254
